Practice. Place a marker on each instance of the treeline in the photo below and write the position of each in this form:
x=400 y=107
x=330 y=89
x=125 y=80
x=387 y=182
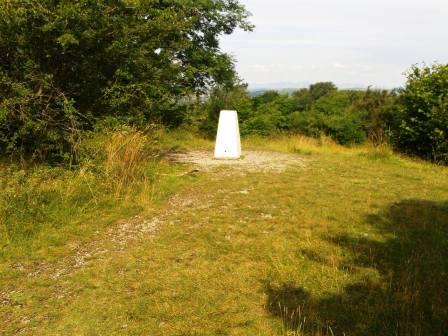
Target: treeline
x=70 y=67
x=413 y=119
x=348 y=116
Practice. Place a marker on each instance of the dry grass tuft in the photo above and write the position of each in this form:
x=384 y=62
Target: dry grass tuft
x=125 y=154
x=299 y=144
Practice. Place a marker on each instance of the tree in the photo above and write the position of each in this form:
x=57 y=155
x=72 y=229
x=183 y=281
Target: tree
x=265 y=98
x=380 y=110
x=321 y=89
x=423 y=130
x=225 y=98
x=302 y=99
x=64 y=64
x=338 y=118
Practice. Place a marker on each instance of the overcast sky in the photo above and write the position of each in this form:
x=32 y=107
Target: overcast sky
x=349 y=42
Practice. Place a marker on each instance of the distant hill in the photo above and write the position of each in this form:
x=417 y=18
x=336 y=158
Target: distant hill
x=289 y=87
x=254 y=92
x=259 y=92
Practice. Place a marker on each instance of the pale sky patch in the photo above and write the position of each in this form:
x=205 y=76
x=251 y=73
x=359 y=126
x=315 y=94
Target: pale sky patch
x=349 y=42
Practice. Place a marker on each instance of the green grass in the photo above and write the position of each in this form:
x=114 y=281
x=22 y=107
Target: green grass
x=353 y=244
x=43 y=208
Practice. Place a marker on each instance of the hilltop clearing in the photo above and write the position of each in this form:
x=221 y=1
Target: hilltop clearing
x=338 y=241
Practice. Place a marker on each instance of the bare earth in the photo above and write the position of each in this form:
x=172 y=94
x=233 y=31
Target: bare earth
x=250 y=161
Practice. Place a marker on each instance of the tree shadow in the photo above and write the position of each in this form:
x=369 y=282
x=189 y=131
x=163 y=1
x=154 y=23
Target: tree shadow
x=411 y=297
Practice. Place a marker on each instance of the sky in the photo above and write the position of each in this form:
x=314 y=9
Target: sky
x=354 y=43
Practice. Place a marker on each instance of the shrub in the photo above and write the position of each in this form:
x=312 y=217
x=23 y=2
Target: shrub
x=225 y=98
x=266 y=120
x=306 y=123
x=38 y=125
x=423 y=126
x=261 y=124
x=345 y=129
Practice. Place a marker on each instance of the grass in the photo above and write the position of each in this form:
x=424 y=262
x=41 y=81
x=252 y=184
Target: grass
x=43 y=208
x=353 y=244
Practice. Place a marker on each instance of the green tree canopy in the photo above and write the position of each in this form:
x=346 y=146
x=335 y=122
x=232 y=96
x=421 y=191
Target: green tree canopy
x=63 y=64
x=422 y=128
x=321 y=89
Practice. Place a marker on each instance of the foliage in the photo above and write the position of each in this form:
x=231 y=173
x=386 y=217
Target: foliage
x=265 y=98
x=64 y=64
x=380 y=110
x=321 y=89
x=225 y=98
x=348 y=116
x=422 y=126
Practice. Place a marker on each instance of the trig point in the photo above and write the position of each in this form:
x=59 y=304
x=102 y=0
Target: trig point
x=228 y=144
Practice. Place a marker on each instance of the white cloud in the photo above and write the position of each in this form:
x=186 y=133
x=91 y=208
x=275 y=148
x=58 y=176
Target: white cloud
x=339 y=66
x=346 y=41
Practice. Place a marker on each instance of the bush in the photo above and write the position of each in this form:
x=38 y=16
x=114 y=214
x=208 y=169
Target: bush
x=414 y=119
x=266 y=120
x=225 y=98
x=306 y=123
x=423 y=126
x=348 y=116
x=345 y=130
x=40 y=125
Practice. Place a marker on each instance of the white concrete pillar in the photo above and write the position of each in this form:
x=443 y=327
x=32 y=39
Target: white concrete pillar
x=228 y=143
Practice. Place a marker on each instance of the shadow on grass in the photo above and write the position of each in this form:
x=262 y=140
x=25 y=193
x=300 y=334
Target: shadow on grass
x=411 y=297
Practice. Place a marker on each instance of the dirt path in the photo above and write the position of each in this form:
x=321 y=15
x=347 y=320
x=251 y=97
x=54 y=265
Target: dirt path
x=138 y=228
x=114 y=241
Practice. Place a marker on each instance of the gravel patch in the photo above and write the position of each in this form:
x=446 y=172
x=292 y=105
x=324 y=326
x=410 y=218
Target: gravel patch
x=253 y=161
